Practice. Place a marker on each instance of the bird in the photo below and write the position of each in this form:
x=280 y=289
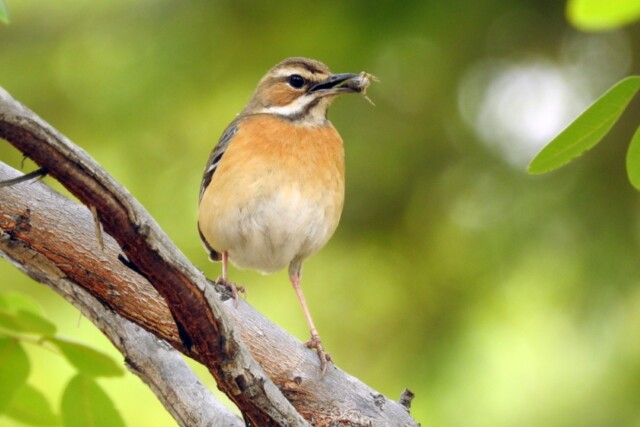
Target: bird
x=273 y=187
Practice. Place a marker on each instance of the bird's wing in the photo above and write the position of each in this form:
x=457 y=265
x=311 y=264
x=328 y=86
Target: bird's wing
x=216 y=155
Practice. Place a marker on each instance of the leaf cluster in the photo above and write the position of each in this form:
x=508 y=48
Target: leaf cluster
x=84 y=402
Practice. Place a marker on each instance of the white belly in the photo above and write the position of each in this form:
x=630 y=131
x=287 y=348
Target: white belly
x=269 y=233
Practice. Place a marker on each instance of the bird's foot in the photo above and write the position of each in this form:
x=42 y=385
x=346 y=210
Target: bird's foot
x=316 y=344
x=228 y=289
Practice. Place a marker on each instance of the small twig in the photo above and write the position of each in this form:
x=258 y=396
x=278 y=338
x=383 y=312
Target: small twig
x=36 y=174
x=98 y=227
x=406 y=397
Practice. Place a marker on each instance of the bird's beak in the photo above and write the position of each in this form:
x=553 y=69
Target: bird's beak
x=338 y=83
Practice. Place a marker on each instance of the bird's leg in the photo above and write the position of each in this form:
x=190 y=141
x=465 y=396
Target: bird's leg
x=224 y=281
x=315 y=342
x=225 y=268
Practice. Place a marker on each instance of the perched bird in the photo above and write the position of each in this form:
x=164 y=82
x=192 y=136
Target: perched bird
x=273 y=188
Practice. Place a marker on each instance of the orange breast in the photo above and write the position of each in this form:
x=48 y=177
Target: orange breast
x=276 y=195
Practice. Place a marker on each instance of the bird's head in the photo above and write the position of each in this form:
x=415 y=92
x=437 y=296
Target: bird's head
x=301 y=90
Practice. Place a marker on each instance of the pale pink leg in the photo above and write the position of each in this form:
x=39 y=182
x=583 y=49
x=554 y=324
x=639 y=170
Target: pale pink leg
x=225 y=260
x=314 y=342
x=223 y=279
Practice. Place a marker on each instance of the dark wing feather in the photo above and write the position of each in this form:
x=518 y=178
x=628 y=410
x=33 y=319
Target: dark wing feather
x=216 y=155
x=209 y=170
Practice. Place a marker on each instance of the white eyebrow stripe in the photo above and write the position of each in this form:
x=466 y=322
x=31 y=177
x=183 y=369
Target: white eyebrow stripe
x=286 y=72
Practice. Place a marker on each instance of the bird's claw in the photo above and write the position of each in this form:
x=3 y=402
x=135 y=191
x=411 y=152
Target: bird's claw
x=229 y=289
x=315 y=344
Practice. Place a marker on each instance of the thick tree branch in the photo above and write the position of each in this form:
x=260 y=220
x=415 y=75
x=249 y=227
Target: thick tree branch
x=212 y=332
x=153 y=360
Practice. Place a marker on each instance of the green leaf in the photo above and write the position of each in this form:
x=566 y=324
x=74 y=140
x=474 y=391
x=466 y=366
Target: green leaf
x=633 y=160
x=27 y=322
x=597 y=15
x=4 y=12
x=85 y=404
x=14 y=301
x=20 y=313
x=588 y=129
x=30 y=406
x=14 y=370
x=87 y=360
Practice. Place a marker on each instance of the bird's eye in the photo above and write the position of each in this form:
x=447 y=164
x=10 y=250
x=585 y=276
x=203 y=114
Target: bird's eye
x=296 y=81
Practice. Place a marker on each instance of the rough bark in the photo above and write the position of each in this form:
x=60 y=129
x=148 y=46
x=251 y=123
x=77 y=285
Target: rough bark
x=161 y=367
x=270 y=375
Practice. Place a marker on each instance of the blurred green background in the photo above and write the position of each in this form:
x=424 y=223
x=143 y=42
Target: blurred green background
x=499 y=298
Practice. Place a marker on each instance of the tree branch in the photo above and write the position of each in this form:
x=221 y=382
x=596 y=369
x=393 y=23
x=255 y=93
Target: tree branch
x=209 y=330
x=151 y=359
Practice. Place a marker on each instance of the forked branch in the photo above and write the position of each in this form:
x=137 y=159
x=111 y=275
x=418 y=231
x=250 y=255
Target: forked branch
x=272 y=378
